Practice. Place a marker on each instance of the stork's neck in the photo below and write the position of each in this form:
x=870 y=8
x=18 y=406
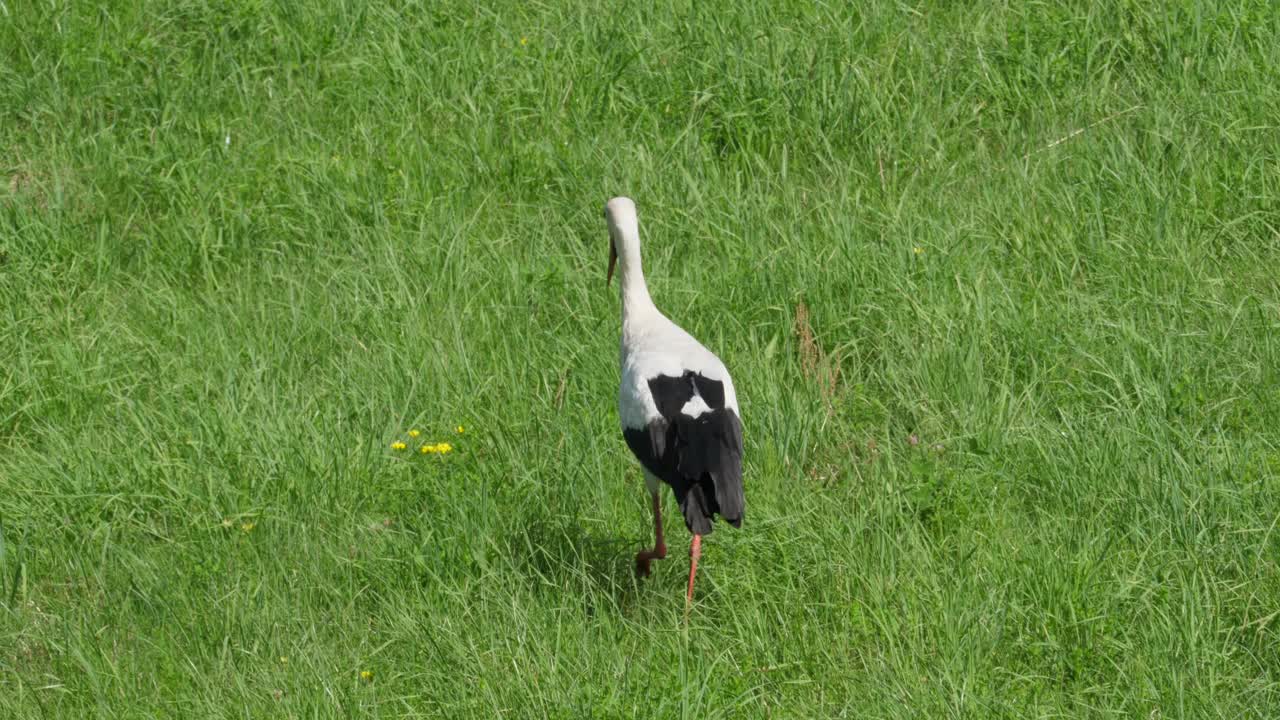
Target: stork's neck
x=637 y=306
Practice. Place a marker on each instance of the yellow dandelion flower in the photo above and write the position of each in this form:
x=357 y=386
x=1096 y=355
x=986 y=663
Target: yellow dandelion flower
x=459 y=429
x=443 y=448
x=248 y=526
x=366 y=675
x=425 y=449
x=414 y=433
x=524 y=41
x=398 y=445
x=919 y=250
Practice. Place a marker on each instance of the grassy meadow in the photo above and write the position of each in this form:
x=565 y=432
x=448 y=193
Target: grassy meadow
x=999 y=284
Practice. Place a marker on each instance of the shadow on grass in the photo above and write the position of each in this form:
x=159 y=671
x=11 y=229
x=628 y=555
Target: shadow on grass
x=559 y=555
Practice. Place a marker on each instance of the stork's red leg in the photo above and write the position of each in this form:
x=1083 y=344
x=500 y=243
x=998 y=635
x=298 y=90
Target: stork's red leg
x=659 y=550
x=695 y=552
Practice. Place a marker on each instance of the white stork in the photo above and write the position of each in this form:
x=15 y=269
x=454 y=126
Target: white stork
x=677 y=405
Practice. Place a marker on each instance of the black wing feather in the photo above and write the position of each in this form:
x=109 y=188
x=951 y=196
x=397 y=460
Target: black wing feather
x=699 y=457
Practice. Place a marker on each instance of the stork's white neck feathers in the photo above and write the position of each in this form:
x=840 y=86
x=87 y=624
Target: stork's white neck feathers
x=624 y=230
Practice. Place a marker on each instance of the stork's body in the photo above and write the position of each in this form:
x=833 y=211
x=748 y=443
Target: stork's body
x=677 y=404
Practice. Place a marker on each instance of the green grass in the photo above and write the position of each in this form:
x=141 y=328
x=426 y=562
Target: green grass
x=244 y=246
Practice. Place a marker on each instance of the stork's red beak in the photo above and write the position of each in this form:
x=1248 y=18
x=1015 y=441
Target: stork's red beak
x=613 y=260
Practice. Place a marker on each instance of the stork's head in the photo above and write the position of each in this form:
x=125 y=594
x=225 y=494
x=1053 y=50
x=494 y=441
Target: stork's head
x=624 y=232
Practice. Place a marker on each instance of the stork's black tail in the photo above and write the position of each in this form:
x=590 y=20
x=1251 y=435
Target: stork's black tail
x=709 y=453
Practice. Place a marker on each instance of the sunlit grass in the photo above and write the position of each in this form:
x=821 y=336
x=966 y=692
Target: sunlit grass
x=997 y=284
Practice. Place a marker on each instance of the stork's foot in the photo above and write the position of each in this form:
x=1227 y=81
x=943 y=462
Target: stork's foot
x=659 y=550
x=644 y=557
